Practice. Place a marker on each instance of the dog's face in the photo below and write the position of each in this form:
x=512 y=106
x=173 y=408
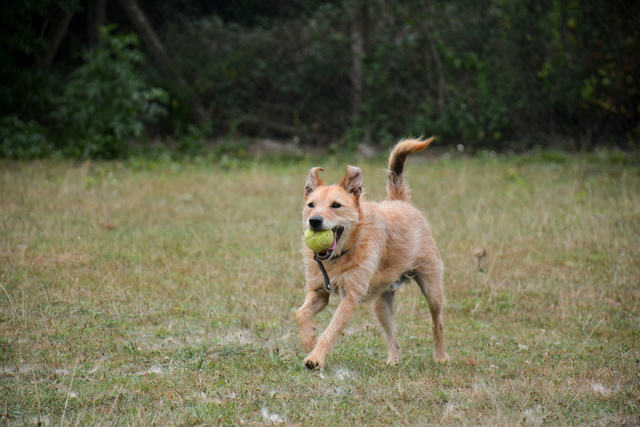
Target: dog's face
x=333 y=207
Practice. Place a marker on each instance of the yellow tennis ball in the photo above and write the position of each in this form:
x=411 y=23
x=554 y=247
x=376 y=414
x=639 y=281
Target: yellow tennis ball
x=318 y=241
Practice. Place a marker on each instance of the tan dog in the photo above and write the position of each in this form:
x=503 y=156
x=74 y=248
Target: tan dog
x=376 y=248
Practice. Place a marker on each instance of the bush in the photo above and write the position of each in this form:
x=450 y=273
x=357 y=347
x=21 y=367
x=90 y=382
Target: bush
x=106 y=101
x=22 y=140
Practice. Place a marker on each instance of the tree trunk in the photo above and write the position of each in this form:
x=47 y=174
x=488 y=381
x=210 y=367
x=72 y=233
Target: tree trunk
x=359 y=48
x=144 y=29
x=57 y=34
x=96 y=18
x=442 y=83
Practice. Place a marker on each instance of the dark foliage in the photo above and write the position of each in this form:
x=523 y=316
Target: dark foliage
x=492 y=74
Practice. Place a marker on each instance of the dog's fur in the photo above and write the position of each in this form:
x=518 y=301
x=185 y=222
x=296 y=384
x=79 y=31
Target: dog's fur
x=379 y=246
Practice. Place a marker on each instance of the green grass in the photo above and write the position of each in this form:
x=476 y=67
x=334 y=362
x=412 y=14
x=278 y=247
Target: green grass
x=138 y=294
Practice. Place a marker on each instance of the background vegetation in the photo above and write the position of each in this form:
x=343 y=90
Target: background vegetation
x=140 y=293
x=490 y=74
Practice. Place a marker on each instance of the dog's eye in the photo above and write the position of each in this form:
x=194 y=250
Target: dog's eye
x=336 y=205
x=311 y=205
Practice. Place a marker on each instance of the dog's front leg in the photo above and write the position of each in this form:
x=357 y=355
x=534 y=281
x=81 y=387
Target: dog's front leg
x=342 y=315
x=314 y=303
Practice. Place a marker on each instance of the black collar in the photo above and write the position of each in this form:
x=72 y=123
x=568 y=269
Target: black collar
x=327 y=282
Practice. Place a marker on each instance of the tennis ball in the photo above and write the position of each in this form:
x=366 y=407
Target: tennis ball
x=318 y=241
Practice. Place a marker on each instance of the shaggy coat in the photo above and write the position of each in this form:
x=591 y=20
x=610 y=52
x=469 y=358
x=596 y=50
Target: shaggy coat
x=377 y=247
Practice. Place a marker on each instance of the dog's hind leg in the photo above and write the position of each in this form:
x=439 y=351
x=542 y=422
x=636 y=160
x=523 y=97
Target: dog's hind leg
x=314 y=303
x=384 y=310
x=430 y=282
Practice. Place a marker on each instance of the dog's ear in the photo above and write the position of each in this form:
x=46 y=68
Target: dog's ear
x=352 y=181
x=313 y=181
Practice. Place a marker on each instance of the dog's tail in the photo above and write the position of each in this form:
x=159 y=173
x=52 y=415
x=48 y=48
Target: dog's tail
x=397 y=188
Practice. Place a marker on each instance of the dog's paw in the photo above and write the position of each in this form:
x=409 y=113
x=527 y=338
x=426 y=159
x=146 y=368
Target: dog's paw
x=441 y=358
x=311 y=362
x=393 y=360
x=393 y=354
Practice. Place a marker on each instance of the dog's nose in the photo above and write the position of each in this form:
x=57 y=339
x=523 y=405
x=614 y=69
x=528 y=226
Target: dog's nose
x=315 y=222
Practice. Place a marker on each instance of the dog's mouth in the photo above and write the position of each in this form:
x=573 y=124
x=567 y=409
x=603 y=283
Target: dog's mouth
x=337 y=234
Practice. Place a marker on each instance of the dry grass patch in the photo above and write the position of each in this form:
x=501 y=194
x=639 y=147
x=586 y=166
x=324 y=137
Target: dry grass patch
x=167 y=295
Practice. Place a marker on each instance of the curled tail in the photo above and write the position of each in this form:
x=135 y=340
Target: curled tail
x=397 y=188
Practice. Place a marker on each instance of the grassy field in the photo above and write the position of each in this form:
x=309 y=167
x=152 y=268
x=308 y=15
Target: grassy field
x=140 y=294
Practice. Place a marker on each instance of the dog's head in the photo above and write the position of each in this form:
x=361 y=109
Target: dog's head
x=333 y=207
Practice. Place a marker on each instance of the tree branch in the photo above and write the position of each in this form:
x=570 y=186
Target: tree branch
x=148 y=36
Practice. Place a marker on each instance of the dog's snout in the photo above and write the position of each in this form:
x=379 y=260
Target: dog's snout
x=315 y=222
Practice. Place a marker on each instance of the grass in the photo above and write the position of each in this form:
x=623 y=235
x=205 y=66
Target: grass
x=138 y=294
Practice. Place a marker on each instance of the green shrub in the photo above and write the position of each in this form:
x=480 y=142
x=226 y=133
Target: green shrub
x=22 y=140
x=106 y=101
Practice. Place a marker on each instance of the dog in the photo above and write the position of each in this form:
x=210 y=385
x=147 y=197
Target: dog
x=377 y=247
